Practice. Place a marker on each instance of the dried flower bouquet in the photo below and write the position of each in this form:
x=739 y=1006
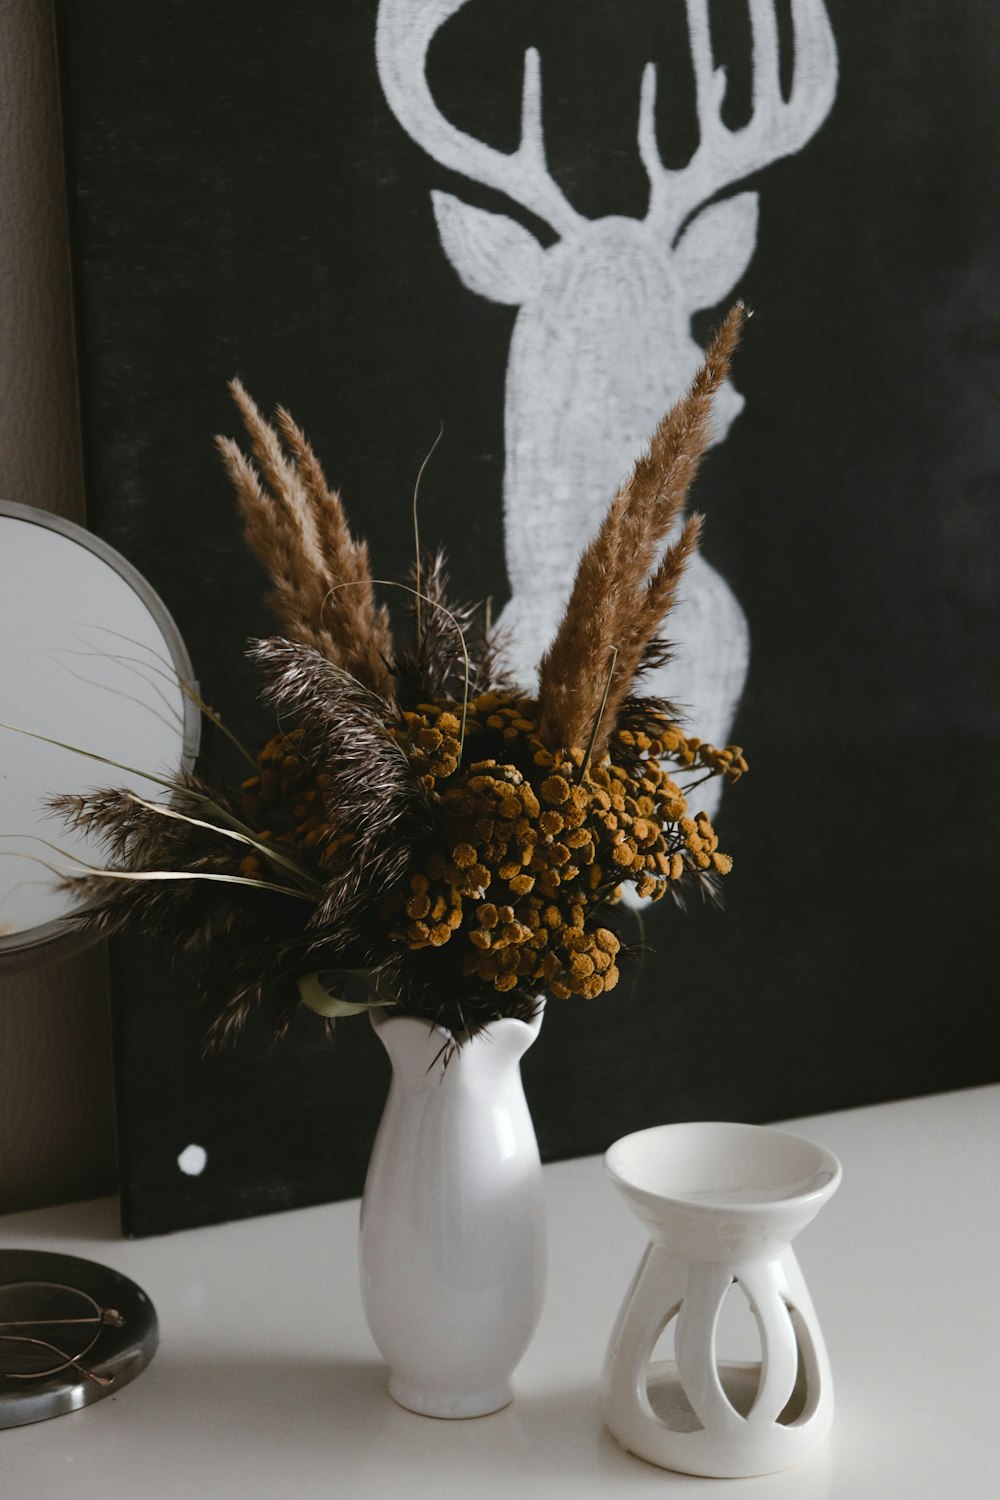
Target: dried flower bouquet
x=417 y=832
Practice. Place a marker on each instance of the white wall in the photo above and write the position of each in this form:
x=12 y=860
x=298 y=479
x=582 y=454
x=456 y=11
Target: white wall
x=56 y=1110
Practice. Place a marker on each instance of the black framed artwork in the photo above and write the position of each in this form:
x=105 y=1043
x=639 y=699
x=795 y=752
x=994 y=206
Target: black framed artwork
x=522 y=220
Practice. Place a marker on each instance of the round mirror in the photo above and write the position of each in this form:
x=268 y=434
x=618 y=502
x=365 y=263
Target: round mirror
x=91 y=659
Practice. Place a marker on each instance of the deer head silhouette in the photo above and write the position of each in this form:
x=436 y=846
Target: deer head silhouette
x=602 y=343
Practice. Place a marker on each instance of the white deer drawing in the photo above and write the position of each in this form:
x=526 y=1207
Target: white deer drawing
x=602 y=343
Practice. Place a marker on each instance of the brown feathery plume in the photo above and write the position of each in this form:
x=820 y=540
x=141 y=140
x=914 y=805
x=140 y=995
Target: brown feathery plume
x=298 y=530
x=274 y=539
x=659 y=599
x=174 y=874
x=451 y=636
x=615 y=604
x=373 y=794
x=346 y=559
x=434 y=667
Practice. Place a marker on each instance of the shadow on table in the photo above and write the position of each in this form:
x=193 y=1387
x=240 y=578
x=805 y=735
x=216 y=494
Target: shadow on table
x=338 y=1411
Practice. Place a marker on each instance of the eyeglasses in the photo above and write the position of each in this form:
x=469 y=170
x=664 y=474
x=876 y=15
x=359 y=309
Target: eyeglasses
x=34 y=1313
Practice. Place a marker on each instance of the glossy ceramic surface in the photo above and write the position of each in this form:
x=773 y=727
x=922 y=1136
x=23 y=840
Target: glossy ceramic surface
x=453 y=1252
x=722 y=1203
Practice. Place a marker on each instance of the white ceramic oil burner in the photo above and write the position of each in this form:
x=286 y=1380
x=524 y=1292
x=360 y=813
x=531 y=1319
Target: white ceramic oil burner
x=723 y=1203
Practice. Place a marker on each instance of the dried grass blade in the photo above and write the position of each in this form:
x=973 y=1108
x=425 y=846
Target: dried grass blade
x=274 y=856
x=93 y=755
x=86 y=870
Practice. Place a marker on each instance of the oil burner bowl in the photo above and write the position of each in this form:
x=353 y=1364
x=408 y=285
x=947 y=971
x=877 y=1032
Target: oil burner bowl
x=722 y=1203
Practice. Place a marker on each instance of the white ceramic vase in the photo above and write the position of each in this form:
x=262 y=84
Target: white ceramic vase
x=453 y=1251
x=722 y=1203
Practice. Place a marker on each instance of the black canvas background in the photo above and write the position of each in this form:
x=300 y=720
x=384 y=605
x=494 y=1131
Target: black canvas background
x=244 y=201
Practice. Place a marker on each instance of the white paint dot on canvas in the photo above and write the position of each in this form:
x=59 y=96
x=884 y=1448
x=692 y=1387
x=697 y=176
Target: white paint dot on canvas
x=192 y=1160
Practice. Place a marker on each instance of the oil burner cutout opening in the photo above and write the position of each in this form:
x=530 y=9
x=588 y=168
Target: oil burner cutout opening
x=739 y=1362
x=716 y=1365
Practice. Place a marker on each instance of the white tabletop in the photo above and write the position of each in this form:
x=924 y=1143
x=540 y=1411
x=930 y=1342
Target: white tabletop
x=267 y=1382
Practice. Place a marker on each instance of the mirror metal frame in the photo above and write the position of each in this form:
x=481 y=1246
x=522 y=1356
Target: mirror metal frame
x=61 y=938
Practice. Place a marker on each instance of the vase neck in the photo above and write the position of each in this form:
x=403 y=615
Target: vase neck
x=422 y=1053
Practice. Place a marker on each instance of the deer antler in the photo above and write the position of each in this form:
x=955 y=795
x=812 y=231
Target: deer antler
x=403 y=34
x=776 y=127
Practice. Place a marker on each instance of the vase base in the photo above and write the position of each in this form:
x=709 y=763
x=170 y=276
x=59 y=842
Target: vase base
x=449 y=1404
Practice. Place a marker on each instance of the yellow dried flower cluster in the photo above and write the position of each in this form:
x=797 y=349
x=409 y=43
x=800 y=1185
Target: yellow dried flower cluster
x=692 y=753
x=532 y=843
x=286 y=802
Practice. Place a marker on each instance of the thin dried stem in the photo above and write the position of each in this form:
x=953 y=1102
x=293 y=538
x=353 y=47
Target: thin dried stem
x=416 y=539
x=585 y=766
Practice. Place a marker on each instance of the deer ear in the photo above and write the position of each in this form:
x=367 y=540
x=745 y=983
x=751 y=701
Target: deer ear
x=715 y=249
x=492 y=254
